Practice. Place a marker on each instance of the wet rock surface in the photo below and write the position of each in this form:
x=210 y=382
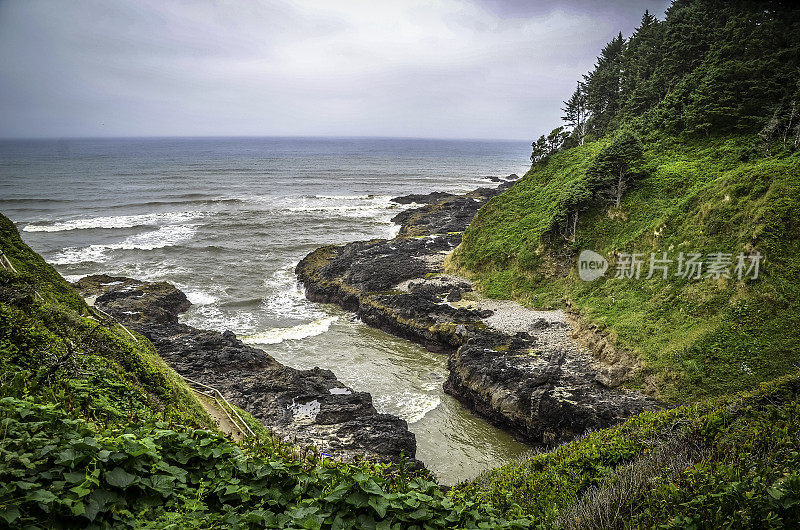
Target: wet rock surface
x=309 y=407
x=523 y=373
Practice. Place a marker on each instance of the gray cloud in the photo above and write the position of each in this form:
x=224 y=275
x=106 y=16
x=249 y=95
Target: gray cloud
x=459 y=69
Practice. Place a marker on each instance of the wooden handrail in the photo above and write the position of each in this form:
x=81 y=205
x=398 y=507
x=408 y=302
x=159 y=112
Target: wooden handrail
x=6 y=263
x=223 y=404
x=103 y=313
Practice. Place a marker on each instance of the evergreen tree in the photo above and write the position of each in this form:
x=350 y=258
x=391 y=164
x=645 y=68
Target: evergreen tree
x=574 y=200
x=546 y=146
x=615 y=167
x=603 y=86
x=576 y=113
x=640 y=90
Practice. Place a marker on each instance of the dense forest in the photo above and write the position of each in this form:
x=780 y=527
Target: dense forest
x=710 y=68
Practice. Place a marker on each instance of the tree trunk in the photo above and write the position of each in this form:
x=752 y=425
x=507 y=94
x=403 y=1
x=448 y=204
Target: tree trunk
x=620 y=185
x=575 y=226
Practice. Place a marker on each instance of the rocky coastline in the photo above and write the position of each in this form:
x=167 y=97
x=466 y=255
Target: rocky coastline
x=531 y=377
x=305 y=407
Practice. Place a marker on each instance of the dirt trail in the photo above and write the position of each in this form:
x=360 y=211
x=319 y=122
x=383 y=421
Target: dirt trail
x=220 y=418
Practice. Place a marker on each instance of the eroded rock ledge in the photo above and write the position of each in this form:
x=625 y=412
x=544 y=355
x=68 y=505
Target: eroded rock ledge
x=529 y=377
x=309 y=407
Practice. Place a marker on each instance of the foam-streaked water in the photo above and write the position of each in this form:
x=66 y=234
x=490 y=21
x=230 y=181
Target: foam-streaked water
x=227 y=219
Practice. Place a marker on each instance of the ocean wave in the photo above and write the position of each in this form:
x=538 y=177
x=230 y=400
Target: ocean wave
x=199 y=297
x=27 y=200
x=301 y=331
x=410 y=406
x=114 y=221
x=286 y=297
x=166 y=236
x=178 y=202
x=344 y=197
x=213 y=318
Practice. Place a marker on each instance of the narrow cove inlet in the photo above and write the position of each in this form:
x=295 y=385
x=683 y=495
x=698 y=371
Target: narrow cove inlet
x=406 y=380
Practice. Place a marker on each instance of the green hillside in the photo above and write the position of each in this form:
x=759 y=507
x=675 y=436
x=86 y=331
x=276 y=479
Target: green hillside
x=697 y=337
x=682 y=140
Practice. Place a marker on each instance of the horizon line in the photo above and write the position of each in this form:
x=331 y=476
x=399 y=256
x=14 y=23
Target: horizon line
x=294 y=136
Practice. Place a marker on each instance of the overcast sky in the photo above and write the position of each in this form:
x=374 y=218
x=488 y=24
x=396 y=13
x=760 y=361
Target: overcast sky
x=439 y=69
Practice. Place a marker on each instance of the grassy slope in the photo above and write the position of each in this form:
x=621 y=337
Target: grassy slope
x=697 y=338
x=50 y=350
x=733 y=462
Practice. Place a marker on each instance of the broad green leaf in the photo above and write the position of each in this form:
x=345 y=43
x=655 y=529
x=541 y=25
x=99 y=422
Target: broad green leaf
x=379 y=504
x=42 y=496
x=119 y=478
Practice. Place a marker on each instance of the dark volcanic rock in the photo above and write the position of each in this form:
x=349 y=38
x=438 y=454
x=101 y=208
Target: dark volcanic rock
x=539 y=392
x=446 y=216
x=454 y=295
x=295 y=404
x=417 y=198
x=545 y=396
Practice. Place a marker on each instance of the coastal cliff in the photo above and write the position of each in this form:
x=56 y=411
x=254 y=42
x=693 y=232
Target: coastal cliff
x=530 y=378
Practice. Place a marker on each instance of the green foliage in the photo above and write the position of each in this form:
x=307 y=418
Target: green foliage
x=543 y=148
x=61 y=472
x=602 y=85
x=576 y=113
x=612 y=170
x=743 y=469
x=710 y=67
x=35 y=271
x=97 y=371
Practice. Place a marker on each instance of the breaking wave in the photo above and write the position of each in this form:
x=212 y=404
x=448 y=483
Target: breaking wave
x=114 y=221
x=166 y=236
x=301 y=331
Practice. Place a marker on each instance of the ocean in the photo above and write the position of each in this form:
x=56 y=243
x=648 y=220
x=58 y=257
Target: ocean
x=227 y=220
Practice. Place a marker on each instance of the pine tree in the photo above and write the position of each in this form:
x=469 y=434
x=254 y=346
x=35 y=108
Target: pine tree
x=616 y=166
x=576 y=113
x=603 y=86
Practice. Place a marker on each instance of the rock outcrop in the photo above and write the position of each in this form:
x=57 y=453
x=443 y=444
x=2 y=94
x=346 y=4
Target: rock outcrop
x=530 y=378
x=309 y=407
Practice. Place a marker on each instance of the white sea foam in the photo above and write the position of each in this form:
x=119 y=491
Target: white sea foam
x=159 y=271
x=166 y=236
x=410 y=406
x=301 y=331
x=114 y=221
x=343 y=206
x=199 y=297
x=286 y=297
x=73 y=255
x=212 y=317
x=394 y=229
